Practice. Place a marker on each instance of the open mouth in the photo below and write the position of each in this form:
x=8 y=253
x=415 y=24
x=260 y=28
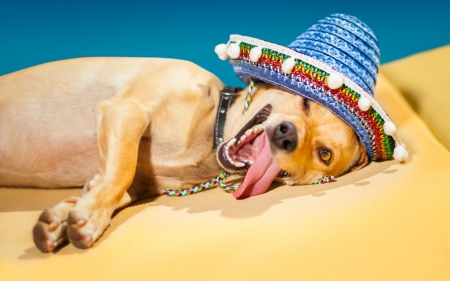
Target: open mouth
x=250 y=150
x=241 y=151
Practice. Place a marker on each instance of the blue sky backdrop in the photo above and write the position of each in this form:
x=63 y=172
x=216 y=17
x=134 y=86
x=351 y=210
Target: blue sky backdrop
x=34 y=32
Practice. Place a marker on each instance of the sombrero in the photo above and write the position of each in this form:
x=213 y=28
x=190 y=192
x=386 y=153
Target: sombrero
x=334 y=63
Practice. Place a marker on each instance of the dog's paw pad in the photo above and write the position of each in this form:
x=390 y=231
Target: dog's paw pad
x=48 y=216
x=42 y=239
x=49 y=232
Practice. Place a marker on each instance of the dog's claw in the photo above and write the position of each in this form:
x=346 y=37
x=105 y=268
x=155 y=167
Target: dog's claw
x=81 y=222
x=53 y=225
x=72 y=199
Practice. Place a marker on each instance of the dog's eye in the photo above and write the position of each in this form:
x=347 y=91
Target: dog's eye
x=325 y=155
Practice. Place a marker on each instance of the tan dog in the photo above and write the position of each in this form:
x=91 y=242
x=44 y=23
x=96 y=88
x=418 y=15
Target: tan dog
x=127 y=128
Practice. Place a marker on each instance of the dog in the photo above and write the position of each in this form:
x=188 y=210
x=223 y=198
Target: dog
x=127 y=128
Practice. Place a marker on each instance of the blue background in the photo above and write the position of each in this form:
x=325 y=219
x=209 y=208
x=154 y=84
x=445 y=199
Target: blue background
x=34 y=32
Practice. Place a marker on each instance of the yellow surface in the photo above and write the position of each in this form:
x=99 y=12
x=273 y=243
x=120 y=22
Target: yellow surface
x=424 y=81
x=388 y=221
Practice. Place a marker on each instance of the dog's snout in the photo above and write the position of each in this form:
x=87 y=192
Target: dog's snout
x=285 y=136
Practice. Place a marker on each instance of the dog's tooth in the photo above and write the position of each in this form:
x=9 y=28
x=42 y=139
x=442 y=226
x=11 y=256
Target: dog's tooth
x=250 y=161
x=243 y=137
x=230 y=160
x=239 y=164
x=231 y=142
x=258 y=128
x=227 y=155
x=249 y=132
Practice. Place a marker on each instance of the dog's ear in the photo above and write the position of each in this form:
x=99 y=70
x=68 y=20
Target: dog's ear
x=363 y=158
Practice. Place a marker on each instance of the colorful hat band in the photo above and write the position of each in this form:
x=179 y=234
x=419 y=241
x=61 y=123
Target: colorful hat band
x=319 y=82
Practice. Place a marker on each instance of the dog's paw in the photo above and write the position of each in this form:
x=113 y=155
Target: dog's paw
x=50 y=231
x=86 y=226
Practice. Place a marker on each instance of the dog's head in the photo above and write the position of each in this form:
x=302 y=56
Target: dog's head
x=288 y=138
x=335 y=63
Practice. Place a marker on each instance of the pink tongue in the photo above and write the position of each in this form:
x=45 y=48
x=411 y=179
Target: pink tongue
x=260 y=175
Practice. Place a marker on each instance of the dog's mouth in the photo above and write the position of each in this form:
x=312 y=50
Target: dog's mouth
x=250 y=150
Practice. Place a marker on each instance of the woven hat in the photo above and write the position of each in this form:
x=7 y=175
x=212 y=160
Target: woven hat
x=334 y=63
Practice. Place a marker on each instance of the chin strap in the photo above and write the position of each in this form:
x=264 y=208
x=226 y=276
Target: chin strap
x=325 y=179
x=248 y=99
x=203 y=186
x=219 y=181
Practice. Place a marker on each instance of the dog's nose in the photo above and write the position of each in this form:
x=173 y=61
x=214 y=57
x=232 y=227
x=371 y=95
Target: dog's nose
x=285 y=136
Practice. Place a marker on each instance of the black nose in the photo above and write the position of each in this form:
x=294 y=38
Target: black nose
x=285 y=136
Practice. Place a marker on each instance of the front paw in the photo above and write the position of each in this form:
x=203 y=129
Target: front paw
x=85 y=227
x=49 y=232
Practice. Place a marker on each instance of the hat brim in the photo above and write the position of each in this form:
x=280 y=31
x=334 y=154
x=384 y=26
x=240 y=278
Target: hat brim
x=309 y=78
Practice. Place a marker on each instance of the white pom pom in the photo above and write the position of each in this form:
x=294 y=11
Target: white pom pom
x=400 y=153
x=234 y=50
x=364 y=103
x=335 y=81
x=288 y=65
x=389 y=128
x=221 y=51
x=255 y=54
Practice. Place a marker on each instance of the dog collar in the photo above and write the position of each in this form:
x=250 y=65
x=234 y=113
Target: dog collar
x=227 y=96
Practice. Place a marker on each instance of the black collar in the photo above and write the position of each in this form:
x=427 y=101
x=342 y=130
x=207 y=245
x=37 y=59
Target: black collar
x=227 y=96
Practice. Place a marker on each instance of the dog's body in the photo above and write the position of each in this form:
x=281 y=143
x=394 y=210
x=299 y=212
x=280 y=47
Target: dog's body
x=33 y=108
x=128 y=128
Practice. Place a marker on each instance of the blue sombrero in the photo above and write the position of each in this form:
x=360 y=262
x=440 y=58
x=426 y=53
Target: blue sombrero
x=334 y=63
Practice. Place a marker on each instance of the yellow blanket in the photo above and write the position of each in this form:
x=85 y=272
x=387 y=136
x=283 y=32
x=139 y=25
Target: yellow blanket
x=388 y=221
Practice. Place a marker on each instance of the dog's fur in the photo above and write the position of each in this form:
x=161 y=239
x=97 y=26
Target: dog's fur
x=126 y=128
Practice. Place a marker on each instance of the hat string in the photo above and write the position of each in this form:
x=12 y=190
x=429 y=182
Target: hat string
x=248 y=99
x=219 y=180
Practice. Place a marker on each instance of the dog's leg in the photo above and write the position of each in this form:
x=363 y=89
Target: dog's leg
x=120 y=126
